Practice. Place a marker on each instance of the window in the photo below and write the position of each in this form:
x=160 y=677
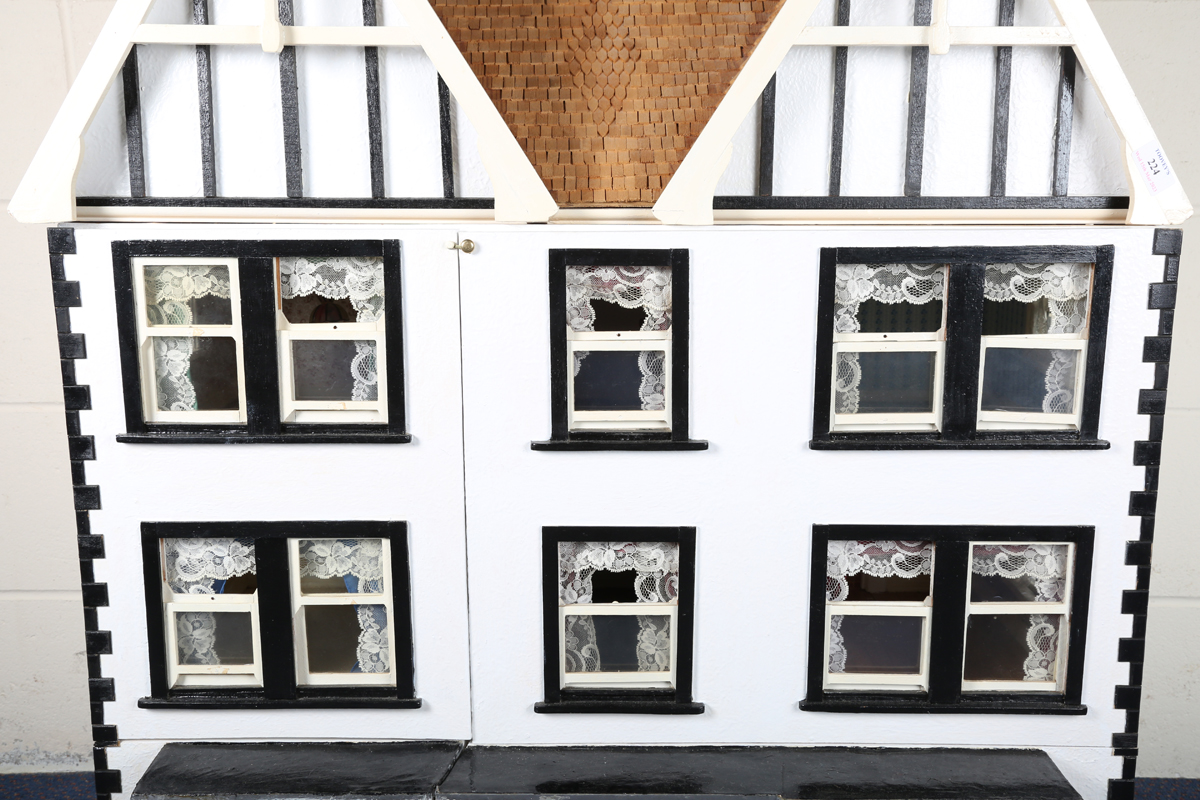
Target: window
x=942 y=346
x=619 y=364
x=618 y=620
x=263 y=614
x=937 y=618
x=230 y=341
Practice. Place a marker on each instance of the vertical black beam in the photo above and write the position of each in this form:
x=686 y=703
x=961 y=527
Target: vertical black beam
x=687 y=606
x=402 y=644
x=1093 y=376
x=559 y=375
x=823 y=380
x=374 y=112
x=275 y=618
x=817 y=666
x=766 y=141
x=257 y=282
x=681 y=346
x=447 y=139
x=841 y=56
x=1062 y=125
x=1000 y=100
x=951 y=560
x=156 y=636
x=208 y=149
x=394 y=333
x=918 y=83
x=960 y=393
x=289 y=93
x=550 y=616
x=133 y=125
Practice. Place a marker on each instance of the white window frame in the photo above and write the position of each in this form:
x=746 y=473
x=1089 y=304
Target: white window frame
x=637 y=420
x=918 y=682
x=211 y=675
x=146 y=333
x=1062 y=610
x=932 y=342
x=1025 y=421
x=300 y=601
x=618 y=680
x=328 y=411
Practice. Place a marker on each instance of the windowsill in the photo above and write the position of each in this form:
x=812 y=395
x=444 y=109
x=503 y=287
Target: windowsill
x=625 y=706
x=238 y=437
x=982 y=441
x=619 y=443
x=258 y=701
x=918 y=704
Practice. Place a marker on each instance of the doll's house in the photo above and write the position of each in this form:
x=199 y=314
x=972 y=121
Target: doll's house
x=704 y=398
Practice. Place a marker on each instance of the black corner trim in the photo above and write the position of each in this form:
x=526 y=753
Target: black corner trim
x=81 y=449
x=1143 y=502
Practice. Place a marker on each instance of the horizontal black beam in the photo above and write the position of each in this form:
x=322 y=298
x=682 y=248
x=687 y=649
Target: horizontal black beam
x=779 y=203
x=287 y=202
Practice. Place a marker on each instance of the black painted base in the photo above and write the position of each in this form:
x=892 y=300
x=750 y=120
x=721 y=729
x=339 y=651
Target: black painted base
x=416 y=769
x=48 y=786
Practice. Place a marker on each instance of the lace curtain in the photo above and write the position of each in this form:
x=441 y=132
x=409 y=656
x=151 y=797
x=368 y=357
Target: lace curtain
x=884 y=283
x=170 y=292
x=881 y=559
x=357 y=279
x=359 y=563
x=656 y=565
x=1065 y=288
x=202 y=566
x=647 y=288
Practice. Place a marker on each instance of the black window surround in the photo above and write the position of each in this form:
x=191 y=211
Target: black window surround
x=279 y=689
x=259 y=345
x=964 y=325
x=952 y=556
x=561 y=438
x=561 y=700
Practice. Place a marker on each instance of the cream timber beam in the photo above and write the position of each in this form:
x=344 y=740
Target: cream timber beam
x=1163 y=202
x=47 y=192
x=687 y=198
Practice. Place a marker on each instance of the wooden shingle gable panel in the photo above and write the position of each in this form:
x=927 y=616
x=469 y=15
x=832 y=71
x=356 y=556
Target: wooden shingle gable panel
x=607 y=98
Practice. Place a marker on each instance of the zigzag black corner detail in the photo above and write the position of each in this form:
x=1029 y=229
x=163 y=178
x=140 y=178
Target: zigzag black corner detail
x=71 y=347
x=1152 y=402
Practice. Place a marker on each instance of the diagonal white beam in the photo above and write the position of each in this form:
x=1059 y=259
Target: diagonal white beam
x=1169 y=205
x=687 y=199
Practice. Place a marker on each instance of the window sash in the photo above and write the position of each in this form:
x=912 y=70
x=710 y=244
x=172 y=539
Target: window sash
x=146 y=334
x=882 y=681
x=300 y=411
x=900 y=421
x=619 y=420
x=300 y=638
x=623 y=680
x=1060 y=609
x=212 y=675
x=1013 y=420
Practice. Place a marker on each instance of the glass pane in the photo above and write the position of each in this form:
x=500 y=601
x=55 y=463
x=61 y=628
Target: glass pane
x=334 y=369
x=620 y=380
x=612 y=643
x=875 y=645
x=1035 y=298
x=341 y=566
x=346 y=639
x=618 y=298
x=882 y=570
x=618 y=572
x=1020 y=573
x=885 y=383
x=888 y=298
x=196 y=374
x=331 y=290
x=1029 y=381
x=214 y=637
x=188 y=295
x=1011 y=647
x=210 y=565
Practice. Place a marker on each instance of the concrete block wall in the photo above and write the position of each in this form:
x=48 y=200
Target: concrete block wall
x=44 y=714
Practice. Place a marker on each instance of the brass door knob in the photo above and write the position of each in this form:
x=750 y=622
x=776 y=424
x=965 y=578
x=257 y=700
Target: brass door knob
x=466 y=245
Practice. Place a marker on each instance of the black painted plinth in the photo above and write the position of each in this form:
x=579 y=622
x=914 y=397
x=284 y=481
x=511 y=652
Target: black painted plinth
x=816 y=773
x=300 y=770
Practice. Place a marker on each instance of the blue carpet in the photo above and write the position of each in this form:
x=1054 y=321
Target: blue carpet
x=47 y=786
x=1167 y=789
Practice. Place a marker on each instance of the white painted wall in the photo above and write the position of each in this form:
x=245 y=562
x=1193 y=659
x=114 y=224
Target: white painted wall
x=421 y=483
x=755 y=493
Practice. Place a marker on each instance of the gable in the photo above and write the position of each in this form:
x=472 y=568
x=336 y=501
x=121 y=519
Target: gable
x=606 y=99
